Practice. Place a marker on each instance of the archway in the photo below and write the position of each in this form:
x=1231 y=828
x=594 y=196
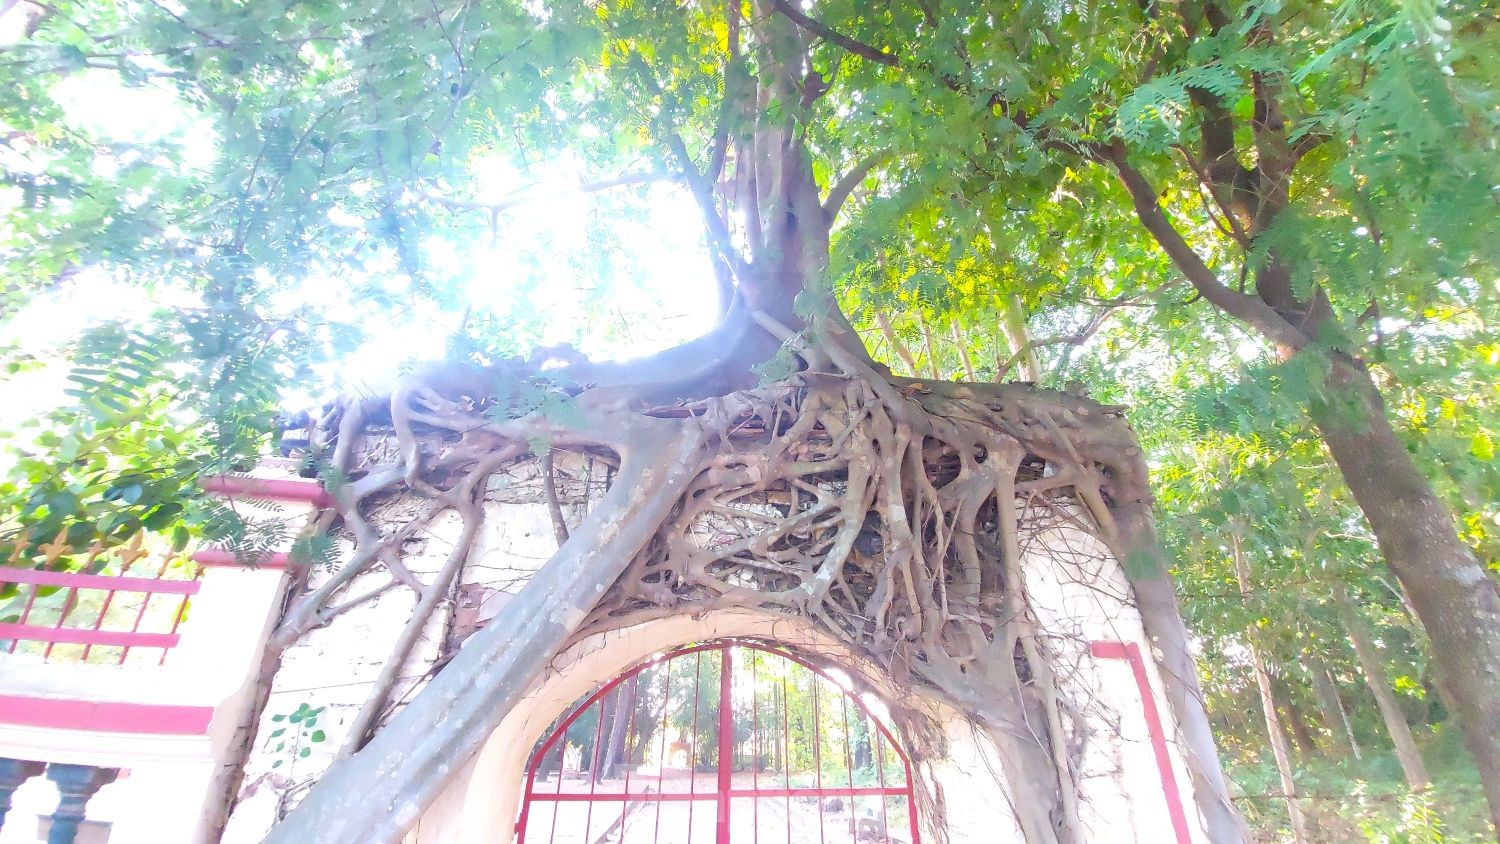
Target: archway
x=809 y=757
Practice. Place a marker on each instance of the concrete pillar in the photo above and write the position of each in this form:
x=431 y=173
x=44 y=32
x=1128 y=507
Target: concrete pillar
x=13 y=772
x=77 y=783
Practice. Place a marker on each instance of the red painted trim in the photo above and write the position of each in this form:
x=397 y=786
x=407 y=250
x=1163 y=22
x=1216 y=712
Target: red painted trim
x=84 y=636
x=677 y=796
x=106 y=582
x=63 y=714
x=1131 y=652
x=726 y=744
x=621 y=796
x=222 y=557
x=269 y=489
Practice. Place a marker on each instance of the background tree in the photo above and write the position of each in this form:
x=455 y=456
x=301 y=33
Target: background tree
x=1304 y=169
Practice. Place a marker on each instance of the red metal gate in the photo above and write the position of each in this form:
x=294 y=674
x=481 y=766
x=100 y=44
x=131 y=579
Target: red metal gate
x=640 y=760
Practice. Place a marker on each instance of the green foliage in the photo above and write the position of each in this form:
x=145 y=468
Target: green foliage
x=777 y=367
x=297 y=734
x=1369 y=802
x=326 y=181
x=117 y=458
x=316 y=549
x=282 y=187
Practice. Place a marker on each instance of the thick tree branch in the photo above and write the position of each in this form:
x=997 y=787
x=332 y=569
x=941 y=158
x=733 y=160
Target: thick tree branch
x=718 y=230
x=1307 y=143
x=1231 y=223
x=1248 y=309
x=845 y=186
x=1216 y=125
x=1274 y=155
x=733 y=83
x=828 y=33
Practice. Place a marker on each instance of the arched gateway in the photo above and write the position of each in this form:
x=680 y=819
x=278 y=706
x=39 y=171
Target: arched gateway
x=731 y=742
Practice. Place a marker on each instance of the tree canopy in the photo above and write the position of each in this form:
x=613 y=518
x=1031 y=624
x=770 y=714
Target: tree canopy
x=1267 y=228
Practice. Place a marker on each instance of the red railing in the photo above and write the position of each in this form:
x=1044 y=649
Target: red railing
x=118 y=602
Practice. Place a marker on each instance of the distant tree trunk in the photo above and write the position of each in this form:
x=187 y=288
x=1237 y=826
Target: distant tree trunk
x=1340 y=731
x=896 y=345
x=1287 y=697
x=624 y=711
x=645 y=734
x=596 y=746
x=962 y=344
x=930 y=347
x=1013 y=323
x=1279 y=749
x=1373 y=667
x=1455 y=597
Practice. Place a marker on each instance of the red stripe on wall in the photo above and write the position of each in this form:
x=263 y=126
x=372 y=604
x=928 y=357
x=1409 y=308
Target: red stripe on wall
x=1131 y=652
x=63 y=714
x=222 y=557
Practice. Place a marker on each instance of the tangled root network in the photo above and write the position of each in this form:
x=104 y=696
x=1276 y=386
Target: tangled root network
x=885 y=511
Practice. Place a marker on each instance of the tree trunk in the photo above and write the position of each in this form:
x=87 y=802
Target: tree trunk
x=624 y=715
x=1455 y=598
x=1341 y=733
x=1023 y=354
x=1373 y=667
x=931 y=347
x=1279 y=748
x=1287 y=698
x=896 y=345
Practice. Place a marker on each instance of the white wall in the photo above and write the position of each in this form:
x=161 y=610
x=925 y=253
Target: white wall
x=1079 y=595
x=335 y=666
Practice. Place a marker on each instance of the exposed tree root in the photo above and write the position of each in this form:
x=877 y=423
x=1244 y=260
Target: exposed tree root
x=883 y=510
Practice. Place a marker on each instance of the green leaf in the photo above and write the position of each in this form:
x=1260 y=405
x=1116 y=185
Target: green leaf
x=1482 y=446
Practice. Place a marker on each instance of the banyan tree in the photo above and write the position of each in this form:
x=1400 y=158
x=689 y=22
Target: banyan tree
x=771 y=468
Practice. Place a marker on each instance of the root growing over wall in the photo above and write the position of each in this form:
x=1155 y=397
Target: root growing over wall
x=886 y=511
